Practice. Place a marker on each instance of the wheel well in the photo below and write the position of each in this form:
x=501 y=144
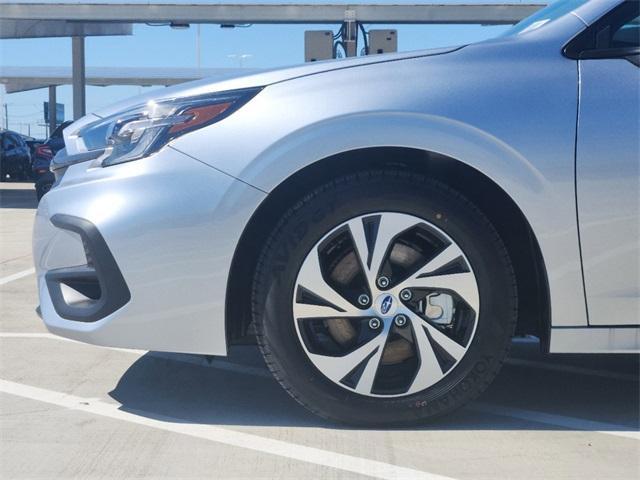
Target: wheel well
x=523 y=248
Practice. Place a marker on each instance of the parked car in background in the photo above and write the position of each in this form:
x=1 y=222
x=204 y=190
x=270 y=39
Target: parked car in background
x=15 y=157
x=32 y=143
x=383 y=224
x=43 y=177
x=56 y=139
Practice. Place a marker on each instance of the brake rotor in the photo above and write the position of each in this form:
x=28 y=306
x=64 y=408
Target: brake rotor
x=396 y=351
x=341 y=331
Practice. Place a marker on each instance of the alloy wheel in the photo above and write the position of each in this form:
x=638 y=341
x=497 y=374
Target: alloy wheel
x=386 y=304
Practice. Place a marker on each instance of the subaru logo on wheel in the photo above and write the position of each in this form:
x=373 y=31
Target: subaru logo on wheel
x=385 y=306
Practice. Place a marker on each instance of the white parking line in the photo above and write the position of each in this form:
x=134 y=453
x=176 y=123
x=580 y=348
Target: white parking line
x=316 y=456
x=562 y=421
x=48 y=336
x=17 y=276
x=571 y=423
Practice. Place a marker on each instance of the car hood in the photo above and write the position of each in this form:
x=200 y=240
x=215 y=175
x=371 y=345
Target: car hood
x=260 y=79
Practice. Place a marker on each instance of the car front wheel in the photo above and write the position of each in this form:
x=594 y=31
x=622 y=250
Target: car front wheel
x=384 y=298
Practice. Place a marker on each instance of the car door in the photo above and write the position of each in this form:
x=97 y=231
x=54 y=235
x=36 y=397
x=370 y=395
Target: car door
x=607 y=166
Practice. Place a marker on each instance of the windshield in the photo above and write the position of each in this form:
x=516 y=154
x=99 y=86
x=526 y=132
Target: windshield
x=542 y=17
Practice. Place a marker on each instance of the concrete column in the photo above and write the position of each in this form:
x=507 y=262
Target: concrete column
x=350 y=33
x=78 y=77
x=52 y=109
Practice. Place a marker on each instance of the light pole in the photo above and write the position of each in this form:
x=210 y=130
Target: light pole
x=53 y=111
x=198 y=45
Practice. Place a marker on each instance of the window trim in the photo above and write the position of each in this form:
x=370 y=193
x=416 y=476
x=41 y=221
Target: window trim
x=581 y=47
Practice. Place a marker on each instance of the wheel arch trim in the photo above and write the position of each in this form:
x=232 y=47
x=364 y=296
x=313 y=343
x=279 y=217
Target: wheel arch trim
x=445 y=136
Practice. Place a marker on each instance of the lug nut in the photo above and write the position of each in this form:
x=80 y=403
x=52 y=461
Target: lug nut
x=363 y=299
x=400 y=320
x=383 y=282
x=374 y=323
x=406 y=294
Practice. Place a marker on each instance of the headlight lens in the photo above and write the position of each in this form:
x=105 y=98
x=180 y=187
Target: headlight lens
x=143 y=130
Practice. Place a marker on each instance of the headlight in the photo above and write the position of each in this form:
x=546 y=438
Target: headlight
x=138 y=132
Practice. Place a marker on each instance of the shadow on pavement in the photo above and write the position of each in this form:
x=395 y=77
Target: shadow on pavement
x=23 y=197
x=158 y=386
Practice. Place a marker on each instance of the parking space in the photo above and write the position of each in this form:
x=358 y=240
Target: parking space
x=70 y=410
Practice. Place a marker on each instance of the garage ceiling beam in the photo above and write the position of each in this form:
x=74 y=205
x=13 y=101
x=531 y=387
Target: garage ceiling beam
x=19 y=79
x=59 y=28
x=150 y=12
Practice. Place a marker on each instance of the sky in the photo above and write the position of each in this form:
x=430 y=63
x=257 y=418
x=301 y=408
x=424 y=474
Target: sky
x=268 y=46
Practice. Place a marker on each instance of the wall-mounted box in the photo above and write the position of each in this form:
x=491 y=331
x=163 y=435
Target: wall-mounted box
x=318 y=45
x=383 y=41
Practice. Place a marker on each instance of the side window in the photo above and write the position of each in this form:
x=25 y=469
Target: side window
x=616 y=35
x=8 y=142
x=627 y=36
x=17 y=141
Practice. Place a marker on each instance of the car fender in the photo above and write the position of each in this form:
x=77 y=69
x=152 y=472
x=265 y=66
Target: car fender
x=533 y=193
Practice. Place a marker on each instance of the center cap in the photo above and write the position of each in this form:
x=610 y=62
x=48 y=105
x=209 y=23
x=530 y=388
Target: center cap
x=385 y=304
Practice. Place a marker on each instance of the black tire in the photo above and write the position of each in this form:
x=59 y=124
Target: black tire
x=304 y=224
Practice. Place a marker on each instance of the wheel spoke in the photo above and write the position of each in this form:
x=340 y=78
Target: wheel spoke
x=306 y=310
x=429 y=371
x=448 y=255
x=463 y=283
x=337 y=368
x=310 y=277
x=356 y=227
x=391 y=225
x=450 y=346
x=365 y=384
x=373 y=253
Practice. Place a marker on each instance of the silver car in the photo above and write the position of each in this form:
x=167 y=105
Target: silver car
x=382 y=225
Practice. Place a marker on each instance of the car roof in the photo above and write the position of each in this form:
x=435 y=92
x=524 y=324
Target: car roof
x=10 y=132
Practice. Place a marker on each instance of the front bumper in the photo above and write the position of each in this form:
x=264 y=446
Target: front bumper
x=137 y=255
